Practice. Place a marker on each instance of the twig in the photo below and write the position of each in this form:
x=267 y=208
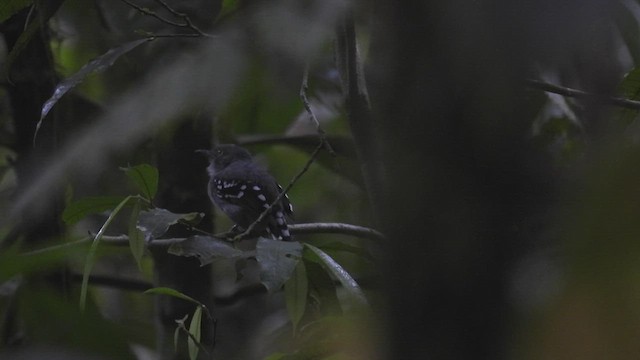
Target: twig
x=307 y=106
x=580 y=94
x=187 y=21
x=337 y=228
x=249 y=230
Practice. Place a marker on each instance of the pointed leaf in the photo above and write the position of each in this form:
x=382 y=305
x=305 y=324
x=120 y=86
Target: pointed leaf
x=136 y=237
x=195 y=331
x=145 y=177
x=205 y=248
x=277 y=260
x=355 y=294
x=295 y=292
x=155 y=222
x=81 y=208
x=98 y=64
x=171 y=292
x=9 y=7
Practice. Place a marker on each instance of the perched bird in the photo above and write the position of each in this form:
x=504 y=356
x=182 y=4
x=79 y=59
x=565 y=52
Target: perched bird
x=243 y=189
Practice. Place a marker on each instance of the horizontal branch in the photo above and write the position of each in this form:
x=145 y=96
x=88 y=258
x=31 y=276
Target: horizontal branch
x=580 y=94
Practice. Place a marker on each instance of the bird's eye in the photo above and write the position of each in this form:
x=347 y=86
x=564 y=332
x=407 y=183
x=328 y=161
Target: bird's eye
x=218 y=152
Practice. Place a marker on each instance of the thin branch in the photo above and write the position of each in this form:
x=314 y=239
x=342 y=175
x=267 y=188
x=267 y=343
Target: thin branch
x=187 y=21
x=307 y=106
x=337 y=228
x=249 y=230
x=580 y=94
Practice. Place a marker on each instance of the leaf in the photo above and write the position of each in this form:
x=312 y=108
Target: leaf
x=295 y=291
x=205 y=248
x=9 y=7
x=88 y=265
x=277 y=260
x=355 y=294
x=195 y=331
x=96 y=65
x=136 y=237
x=155 y=222
x=81 y=208
x=145 y=177
x=171 y=292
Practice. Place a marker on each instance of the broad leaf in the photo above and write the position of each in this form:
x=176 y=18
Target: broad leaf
x=145 y=177
x=9 y=7
x=81 y=208
x=355 y=294
x=296 y=291
x=277 y=260
x=155 y=222
x=97 y=65
x=205 y=248
x=195 y=330
x=136 y=237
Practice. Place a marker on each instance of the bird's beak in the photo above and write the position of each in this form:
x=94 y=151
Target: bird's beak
x=203 y=151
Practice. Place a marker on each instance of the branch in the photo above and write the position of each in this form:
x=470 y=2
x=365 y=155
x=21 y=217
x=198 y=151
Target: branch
x=307 y=106
x=565 y=91
x=249 y=230
x=337 y=228
x=187 y=21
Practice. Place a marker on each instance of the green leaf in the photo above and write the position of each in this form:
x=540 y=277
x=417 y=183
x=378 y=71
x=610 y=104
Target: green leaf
x=136 y=237
x=296 y=290
x=81 y=208
x=155 y=222
x=277 y=260
x=88 y=265
x=354 y=293
x=205 y=248
x=97 y=65
x=195 y=331
x=145 y=177
x=10 y=7
x=171 y=292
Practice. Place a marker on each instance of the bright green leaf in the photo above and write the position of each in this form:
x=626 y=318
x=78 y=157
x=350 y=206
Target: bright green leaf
x=277 y=260
x=295 y=291
x=205 y=248
x=355 y=294
x=195 y=331
x=155 y=222
x=136 y=237
x=81 y=208
x=9 y=7
x=145 y=177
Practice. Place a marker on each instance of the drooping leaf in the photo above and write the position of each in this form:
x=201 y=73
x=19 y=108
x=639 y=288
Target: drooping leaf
x=195 y=330
x=277 y=260
x=145 y=177
x=97 y=65
x=81 y=208
x=155 y=222
x=136 y=237
x=88 y=265
x=296 y=290
x=205 y=248
x=355 y=294
x=9 y=7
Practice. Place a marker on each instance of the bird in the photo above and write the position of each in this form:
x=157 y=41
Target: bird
x=243 y=189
